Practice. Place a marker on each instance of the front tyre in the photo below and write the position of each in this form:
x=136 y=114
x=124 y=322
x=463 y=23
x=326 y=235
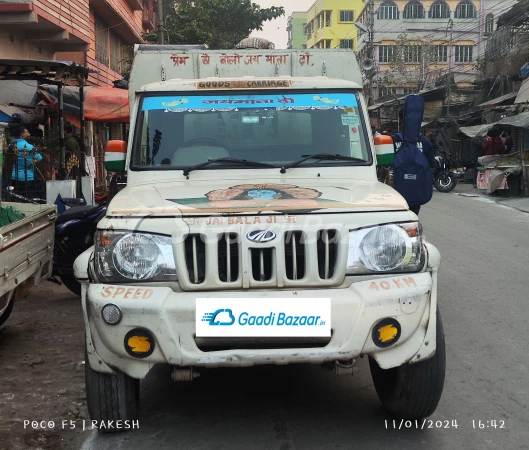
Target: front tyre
x=111 y=397
x=71 y=283
x=445 y=182
x=412 y=391
x=10 y=303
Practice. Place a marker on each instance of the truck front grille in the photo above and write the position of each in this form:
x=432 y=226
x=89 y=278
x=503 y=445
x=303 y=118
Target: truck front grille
x=211 y=261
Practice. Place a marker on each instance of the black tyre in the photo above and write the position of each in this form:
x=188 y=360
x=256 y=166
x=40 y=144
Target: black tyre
x=71 y=283
x=5 y=315
x=111 y=397
x=412 y=391
x=445 y=182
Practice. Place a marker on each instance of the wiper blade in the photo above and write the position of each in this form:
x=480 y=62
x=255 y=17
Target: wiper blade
x=242 y=162
x=321 y=157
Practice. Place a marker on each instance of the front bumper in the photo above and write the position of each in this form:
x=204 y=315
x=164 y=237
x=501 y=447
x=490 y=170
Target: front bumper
x=355 y=309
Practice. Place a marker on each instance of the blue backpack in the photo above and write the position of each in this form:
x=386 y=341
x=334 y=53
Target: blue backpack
x=412 y=176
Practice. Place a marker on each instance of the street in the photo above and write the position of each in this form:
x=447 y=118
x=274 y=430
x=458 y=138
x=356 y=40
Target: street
x=482 y=293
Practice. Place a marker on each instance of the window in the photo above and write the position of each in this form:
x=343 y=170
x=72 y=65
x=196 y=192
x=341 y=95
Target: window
x=414 y=10
x=328 y=18
x=489 y=23
x=247 y=127
x=387 y=92
x=347 y=16
x=347 y=43
x=408 y=90
x=464 y=53
x=465 y=10
x=440 y=53
x=101 y=38
x=412 y=53
x=386 y=53
x=388 y=11
x=439 y=10
x=304 y=28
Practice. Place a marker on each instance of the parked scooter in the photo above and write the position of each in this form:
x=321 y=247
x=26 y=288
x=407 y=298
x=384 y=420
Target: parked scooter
x=444 y=178
x=74 y=233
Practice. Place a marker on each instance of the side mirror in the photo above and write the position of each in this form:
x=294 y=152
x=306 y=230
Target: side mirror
x=115 y=155
x=384 y=150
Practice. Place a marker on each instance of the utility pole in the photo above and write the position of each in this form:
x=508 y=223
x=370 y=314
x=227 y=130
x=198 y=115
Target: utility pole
x=371 y=45
x=449 y=79
x=161 y=26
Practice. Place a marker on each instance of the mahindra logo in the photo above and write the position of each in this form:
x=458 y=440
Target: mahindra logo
x=261 y=236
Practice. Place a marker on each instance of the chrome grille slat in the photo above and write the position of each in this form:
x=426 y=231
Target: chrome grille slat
x=228 y=257
x=261 y=266
x=326 y=242
x=294 y=258
x=195 y=260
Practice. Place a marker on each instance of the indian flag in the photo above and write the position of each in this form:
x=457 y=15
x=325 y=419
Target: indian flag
x=115 y=155
x=384 y=150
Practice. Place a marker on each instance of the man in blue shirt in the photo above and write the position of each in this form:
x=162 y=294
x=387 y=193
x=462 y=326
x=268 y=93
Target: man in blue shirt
x=24 y=168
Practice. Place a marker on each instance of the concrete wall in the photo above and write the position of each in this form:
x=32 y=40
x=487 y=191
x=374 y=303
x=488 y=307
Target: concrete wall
x=14 y=45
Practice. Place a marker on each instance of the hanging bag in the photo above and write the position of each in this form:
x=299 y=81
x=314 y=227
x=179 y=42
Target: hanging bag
x=412 y=175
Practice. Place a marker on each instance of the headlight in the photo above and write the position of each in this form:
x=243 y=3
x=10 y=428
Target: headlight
x=124 y=256
x=386 y=248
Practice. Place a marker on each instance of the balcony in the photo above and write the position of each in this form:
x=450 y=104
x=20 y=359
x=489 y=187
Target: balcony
x=39 y=27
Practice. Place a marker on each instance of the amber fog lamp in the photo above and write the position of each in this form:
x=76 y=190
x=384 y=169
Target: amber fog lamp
x=139 y=343
x=386 y=332
x=111 y=314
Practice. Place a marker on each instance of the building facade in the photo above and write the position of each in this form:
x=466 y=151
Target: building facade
x=96 y=33
x=416 y=43
x=297 y=36
x=331 y=24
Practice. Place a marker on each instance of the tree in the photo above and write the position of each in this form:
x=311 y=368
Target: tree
x=412 y=60
x=221 y=24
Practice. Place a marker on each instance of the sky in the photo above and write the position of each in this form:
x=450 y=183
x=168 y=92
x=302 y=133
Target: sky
x=276 y=30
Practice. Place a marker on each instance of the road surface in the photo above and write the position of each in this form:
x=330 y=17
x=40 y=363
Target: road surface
x=484 y=302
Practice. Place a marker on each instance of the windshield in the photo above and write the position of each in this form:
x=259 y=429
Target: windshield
x=176 y=132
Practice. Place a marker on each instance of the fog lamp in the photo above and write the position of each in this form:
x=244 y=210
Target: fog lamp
x=111 y=314
x=386 y=332
x=139 y=343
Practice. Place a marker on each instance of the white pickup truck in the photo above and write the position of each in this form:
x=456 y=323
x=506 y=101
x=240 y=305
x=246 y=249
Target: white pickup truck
x=253 y=231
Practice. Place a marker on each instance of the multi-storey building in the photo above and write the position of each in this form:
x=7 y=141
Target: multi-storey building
x=331 y=24
x=416 y=42
x=97 y=33
x=297 y=36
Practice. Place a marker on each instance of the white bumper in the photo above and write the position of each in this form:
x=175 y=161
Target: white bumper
x=170 y=317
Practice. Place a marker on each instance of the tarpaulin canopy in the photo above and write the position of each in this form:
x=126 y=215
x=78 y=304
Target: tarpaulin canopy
x=101 y=104
x=28 y=115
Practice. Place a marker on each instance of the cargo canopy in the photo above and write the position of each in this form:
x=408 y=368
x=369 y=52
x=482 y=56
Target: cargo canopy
x=101 y=104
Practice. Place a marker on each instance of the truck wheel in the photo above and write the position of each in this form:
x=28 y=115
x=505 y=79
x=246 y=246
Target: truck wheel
x=71 y=284
x=412 y=391
x=111 y=396
x=7 y=312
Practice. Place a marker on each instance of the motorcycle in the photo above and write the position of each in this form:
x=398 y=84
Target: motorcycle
x=444 y=178
x=74 y=233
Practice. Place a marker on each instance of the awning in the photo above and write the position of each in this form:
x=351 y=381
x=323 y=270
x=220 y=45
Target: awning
x=101 y=104
x=19 y=69
x=477 y=130
x=28 y=116
x=521 y=120
x=498 y=100
x=523 y=93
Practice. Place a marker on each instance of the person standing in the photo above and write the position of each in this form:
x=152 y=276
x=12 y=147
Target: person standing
x=493 y=145
x=477 y=152
x=24 y=169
